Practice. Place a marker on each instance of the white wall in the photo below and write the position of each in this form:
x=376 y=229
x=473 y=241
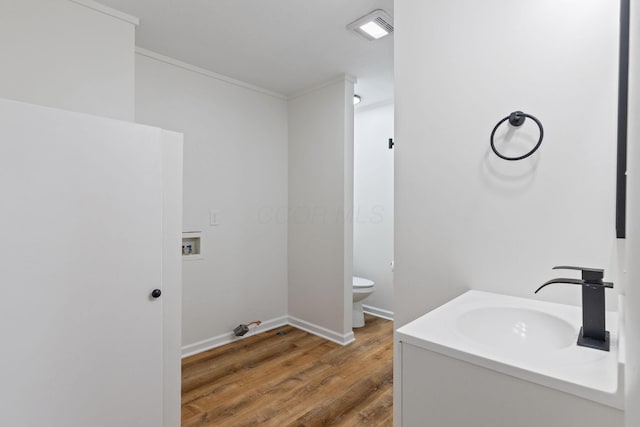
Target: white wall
x=466 y=219
x=235 y=161
x=63 y=54
x=632 y=307
x=320 y=206
x=373 y=203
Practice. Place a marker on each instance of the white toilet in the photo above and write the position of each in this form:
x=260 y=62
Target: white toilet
x=362 y=288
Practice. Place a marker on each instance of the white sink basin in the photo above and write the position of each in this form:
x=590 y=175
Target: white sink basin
x=529 y=339
x=516 y=329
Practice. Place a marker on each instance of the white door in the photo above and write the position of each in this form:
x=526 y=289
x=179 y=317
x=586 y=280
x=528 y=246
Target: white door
x=80 y=254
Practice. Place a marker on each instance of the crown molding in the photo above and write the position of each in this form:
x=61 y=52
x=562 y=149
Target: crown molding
x=177 y=63
x=91 y=4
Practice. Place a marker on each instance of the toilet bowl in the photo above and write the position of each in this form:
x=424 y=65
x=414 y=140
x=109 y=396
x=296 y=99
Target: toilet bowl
x=362 y=288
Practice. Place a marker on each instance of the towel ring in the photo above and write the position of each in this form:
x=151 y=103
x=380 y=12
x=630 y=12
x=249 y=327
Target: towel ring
x=517 y=119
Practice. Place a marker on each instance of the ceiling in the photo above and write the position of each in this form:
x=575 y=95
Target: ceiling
x=285 y=46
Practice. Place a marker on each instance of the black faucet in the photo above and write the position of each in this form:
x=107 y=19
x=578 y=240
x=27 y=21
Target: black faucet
x=592 y=333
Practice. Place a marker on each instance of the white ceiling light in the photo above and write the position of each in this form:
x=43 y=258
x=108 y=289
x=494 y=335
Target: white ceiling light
x=357 y=99
x=374 y=25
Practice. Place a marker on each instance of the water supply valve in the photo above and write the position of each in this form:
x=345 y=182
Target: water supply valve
x=243 y=328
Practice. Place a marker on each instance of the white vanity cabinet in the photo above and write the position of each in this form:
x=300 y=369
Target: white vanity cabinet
x=442 y=391
x=449 y=375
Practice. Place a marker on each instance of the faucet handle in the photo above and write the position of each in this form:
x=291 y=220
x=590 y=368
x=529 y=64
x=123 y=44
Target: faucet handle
x=588 y=274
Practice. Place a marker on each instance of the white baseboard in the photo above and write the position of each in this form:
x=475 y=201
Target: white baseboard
x=229 y=337
x=322 y=332
x=378 y=312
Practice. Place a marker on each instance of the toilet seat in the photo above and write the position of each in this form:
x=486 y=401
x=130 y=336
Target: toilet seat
x=361 y=282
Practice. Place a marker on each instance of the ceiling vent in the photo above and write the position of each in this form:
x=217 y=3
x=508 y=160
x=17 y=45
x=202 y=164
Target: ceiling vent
x=373 y=26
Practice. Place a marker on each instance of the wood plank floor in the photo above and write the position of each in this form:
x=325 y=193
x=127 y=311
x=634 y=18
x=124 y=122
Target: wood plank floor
x=293 y=379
